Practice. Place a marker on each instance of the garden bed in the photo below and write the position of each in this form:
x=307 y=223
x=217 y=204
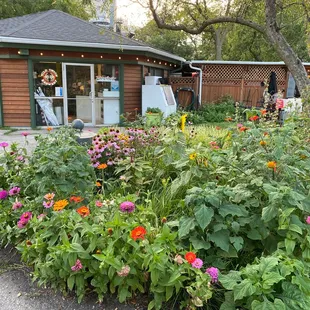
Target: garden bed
x=198 y=217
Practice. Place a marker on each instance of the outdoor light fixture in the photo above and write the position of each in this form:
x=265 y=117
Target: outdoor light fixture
x=119 y=57
x=160 y=62
x=137 y=58
x=62 y=55
x=41 y=54
x=82 y=56
x=165 y=64
x=101 y=56
x=23 y=52
x=170 y=65
x=154 y=60
x=148 y=60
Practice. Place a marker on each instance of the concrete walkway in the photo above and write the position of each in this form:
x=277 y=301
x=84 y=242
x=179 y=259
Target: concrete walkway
x=17 y=292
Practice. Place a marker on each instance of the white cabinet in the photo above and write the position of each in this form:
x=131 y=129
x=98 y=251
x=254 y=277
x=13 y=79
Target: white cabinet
x=110 y=107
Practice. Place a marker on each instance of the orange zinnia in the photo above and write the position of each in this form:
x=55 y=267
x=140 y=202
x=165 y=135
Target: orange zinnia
x=49 y=128
x=98 y=184
x=190 y=257
x=60 y=204
x=76 y=199
x=49 y=196
x=83 y=211
x=272 y=165
x=138 y=233
x=263 y=112
x=263 y=143
x=243 y=128
x=102 y=166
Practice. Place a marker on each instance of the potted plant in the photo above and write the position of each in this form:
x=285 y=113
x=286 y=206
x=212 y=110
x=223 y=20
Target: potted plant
x=153 y=116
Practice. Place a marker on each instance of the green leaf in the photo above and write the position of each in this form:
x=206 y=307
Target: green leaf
x=199 y=243
x=232 y=209
x=293 y=298
x=243 y=289
x=169 y=292
x=186 y=225
x=295 y=228
x=269 y=213
x=289 y=245
x=221 y=239
x=254 y=235
x=229 y=281
x=270 y=278
x=204 y=216
x=267 y=264
x=123 y=293
x=70 y=282
x=268 y=305
x=237 y=242
x=229 y=303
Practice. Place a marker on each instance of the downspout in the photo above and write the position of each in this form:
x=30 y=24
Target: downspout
x=200 y=80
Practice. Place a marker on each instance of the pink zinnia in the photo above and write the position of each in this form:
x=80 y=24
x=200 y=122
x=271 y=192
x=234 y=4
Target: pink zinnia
x=49 y=196
x=197 y=263
x=48 y=204
x=27 y=216
x=99 y=204
x=20 y=158
x=14 y=191
x=3 y=194
x=127 y=206
x=22 y=223
x=78 y=266
x=308 y=220
x=4 y=144
x=17 y=205
x=24 y=133
x=214 y=273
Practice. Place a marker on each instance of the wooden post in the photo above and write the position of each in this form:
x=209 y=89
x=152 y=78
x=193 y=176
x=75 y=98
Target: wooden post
x=242 y=90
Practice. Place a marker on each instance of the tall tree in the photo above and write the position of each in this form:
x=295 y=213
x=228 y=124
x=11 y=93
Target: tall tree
x=81 y=8
x=173 y=15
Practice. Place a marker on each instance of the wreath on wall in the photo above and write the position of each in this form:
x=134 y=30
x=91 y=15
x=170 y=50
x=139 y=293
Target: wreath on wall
x=49 y=77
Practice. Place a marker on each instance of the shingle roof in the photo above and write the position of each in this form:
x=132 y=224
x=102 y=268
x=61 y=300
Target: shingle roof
x=59 y=26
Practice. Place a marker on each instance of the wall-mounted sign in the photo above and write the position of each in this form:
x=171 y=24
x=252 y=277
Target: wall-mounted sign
x=105 y=78
x=49 y=77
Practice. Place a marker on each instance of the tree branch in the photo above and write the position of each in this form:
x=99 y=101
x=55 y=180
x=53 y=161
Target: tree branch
x=219 y=20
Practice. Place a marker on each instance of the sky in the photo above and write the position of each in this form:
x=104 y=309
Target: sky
x=130 y=12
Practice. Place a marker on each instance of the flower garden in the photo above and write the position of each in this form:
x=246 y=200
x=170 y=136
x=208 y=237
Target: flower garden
x=198 y=217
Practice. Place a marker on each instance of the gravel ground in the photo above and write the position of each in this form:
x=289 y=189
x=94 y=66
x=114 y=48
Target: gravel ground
x=17 y=292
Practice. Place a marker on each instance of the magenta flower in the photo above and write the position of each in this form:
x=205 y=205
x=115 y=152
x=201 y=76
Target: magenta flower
x=14 y=191
x=127 y=206
x=22 y=223
x=78 y=266
x=307 y=219
x=4 y=144
x=17 y=205
x=214 y=273
x=25 y=133
x=197 y=263
x=3 y=194
x=26 y=215
x=48 y=204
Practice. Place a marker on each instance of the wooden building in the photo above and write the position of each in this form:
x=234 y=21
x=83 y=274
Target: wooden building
x=55 y=67
x=242 y=80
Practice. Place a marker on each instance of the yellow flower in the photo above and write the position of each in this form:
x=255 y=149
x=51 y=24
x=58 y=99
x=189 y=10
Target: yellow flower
x=192 y=156
x=183 y=121
x=263 y=143
x=60 y=204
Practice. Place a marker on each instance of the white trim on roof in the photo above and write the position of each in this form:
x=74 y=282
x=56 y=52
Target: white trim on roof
x=94 y=45
x=223 y=62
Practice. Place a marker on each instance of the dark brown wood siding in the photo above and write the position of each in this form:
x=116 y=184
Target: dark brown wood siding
x=132 y=88
x=15 y=92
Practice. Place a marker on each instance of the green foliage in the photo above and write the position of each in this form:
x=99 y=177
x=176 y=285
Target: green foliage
x=58 y=164
x=79 y=8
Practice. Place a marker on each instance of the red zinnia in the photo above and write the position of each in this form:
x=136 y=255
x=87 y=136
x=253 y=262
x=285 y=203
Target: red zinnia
x=76 y=199
x=138 y=233
x=83 y=211
x=190 y=257
x=254 y=118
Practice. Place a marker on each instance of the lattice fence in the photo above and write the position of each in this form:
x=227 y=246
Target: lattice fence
x=242 y=82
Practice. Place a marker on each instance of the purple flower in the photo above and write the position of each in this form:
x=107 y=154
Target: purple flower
x=25 y=133
x=78 y=266
x=4 y=144
x=17 y=205
x=197 y=263
x=3 y=194
x=214 y=273
x=14 y=191
x=48 y=204
x=127 y=206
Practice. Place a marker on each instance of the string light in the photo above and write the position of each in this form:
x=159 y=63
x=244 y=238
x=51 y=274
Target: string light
x=41 y=54
x=82 y=56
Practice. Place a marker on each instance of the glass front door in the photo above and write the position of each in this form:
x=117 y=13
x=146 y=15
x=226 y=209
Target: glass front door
x=78 y=81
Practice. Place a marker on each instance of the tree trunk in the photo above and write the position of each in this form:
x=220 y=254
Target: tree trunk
x=293 y=63
x=218 y=44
